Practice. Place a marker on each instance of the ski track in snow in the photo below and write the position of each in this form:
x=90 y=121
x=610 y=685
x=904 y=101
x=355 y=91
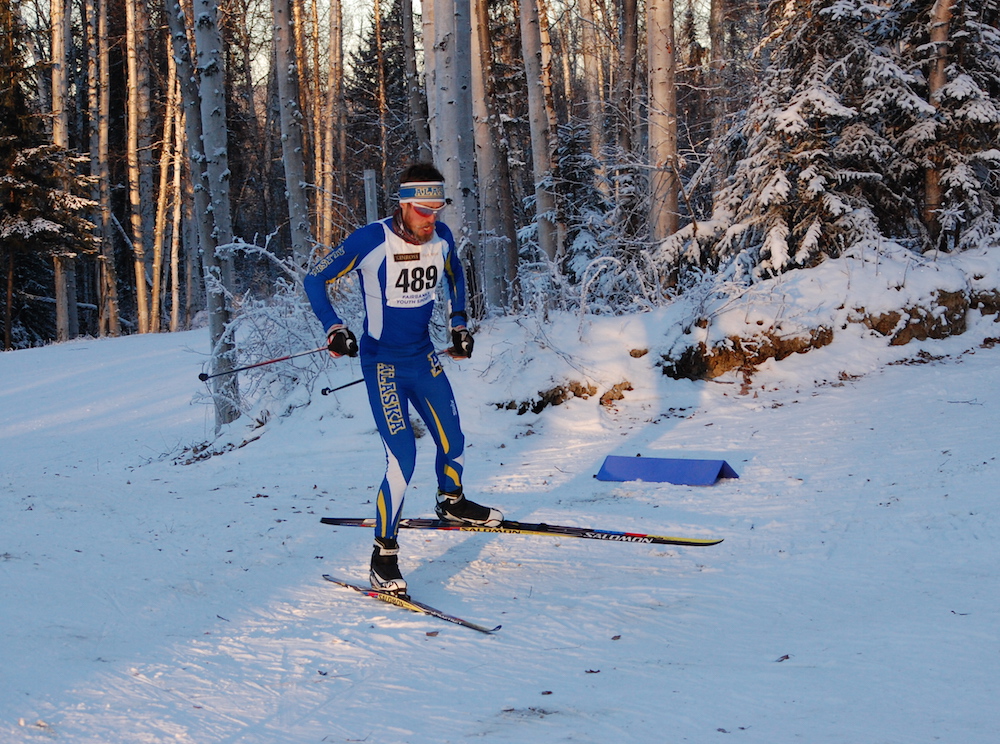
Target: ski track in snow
x=853 y=600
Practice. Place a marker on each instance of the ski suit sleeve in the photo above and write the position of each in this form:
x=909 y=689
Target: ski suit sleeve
x=340 y=261
x=453 y=271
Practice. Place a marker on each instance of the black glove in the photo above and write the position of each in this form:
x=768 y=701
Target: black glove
x=341 y=342
x=461 y=343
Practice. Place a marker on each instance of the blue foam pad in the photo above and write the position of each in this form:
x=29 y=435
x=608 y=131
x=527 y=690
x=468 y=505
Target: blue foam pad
x=665 y=470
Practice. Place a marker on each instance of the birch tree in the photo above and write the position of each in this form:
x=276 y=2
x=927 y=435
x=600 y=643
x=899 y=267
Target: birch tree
x=292 y=139
x=67 y=319
x=99 y=96
x=176 y=220
x=139 y=150
x=210 y=206
x=498 y=240
x=60 y=44
x=164 y=192
x=335 y=133
x=662 y=120
x=536 y=70
x=211 y=67
x=450 y=97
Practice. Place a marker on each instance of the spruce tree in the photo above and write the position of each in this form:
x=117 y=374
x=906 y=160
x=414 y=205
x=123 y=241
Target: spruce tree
x=814 y=152
x=837 y=146
x=957 y=131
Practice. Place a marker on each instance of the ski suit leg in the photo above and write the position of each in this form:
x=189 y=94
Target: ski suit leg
x=388 y=399
x=434 y=400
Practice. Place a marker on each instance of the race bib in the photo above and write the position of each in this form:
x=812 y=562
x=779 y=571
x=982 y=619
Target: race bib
x=412 y=273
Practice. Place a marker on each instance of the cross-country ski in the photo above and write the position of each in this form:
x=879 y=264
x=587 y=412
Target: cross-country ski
x=408 y=603
x=531 y=528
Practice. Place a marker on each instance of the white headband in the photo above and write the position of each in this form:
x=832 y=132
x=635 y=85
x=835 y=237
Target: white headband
x=414 y=191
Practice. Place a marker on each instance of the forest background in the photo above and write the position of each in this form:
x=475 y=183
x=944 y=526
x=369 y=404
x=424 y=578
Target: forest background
x=164 y=165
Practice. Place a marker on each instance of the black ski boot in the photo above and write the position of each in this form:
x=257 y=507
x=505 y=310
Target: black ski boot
x=385 y=575
x=454 y=507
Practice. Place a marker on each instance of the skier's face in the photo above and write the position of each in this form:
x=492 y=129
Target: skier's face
x=419 y=218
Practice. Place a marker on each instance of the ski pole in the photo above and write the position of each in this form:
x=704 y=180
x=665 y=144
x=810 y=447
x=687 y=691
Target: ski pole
x=205 y=376
x=327 y=391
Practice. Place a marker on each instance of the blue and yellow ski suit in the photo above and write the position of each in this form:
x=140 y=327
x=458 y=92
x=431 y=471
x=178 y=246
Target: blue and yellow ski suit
x=399 y=281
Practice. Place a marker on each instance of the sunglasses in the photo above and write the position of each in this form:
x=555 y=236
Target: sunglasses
x=427 y=211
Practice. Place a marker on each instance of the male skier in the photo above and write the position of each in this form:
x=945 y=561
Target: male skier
x=401 y=260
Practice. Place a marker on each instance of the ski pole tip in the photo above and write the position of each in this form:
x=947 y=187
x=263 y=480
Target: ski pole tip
x=203 y=376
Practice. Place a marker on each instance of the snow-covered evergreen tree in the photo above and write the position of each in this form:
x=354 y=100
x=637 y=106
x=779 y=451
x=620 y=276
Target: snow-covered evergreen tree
x=814 y=149
x=836 y=146
x=585 y=207
x=955 y=136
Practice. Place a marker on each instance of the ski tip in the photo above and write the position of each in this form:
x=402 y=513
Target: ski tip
x=482 y=628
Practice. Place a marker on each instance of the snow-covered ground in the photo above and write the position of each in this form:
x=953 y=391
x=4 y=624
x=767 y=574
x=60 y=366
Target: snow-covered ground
x=856 y=597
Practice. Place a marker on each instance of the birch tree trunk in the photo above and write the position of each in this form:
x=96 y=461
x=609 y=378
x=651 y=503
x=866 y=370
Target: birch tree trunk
x=335 y=135
x=450 y=96
x=498 y=239
x=662 y=119
x=170 y=117
x=937 y=77
x=211 y=68
x=108 y=317
x=292 y=154
x=210 y=234
x=93 y=114
x=176 y=223
x=535 y=65
x=594 y=85
x=67 y=318
x=138 y=149
x=132 y=164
